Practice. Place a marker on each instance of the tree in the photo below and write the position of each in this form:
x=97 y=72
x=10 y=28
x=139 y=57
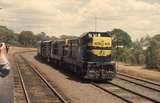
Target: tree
x=157 y=37
x=27 y=38
x=138 y=52
x=8 y=36
x=158 y=58
x=152 y=52
x=43 y=36
x=5 y=34
x=121 y=37
x=68 y=37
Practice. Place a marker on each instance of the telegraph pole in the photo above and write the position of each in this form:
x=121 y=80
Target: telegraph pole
x=95 y=23
x=0 y=8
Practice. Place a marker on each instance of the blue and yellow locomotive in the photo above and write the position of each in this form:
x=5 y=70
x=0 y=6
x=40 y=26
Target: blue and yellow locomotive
x=89 y=56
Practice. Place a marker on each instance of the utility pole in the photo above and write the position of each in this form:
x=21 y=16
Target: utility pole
x=95 y=23
x=0 y=8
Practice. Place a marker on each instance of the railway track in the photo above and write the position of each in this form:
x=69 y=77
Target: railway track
x=128 y=95
x=124 y=94
x=138 y=81
x=31 y=86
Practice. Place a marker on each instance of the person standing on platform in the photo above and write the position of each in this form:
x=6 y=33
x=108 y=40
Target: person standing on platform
x=4 y=63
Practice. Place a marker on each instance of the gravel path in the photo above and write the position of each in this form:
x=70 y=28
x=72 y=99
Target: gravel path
x=72 y=88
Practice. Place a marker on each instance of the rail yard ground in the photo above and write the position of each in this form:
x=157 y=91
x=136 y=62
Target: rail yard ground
x=139 y=71
x=77 y=91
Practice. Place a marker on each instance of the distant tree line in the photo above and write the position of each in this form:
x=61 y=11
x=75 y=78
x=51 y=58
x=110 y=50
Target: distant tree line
x=24 y=38
x=145 y=51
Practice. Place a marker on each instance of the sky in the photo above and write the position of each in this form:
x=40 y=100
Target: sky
x=74 y=17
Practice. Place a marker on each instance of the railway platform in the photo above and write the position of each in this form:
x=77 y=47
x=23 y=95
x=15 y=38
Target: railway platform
x=6 y=89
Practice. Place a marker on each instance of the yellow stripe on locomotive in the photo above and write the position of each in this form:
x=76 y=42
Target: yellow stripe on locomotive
x=101 y=52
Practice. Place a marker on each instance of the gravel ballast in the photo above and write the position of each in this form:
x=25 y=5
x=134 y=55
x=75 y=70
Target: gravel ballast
x=74 y=89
